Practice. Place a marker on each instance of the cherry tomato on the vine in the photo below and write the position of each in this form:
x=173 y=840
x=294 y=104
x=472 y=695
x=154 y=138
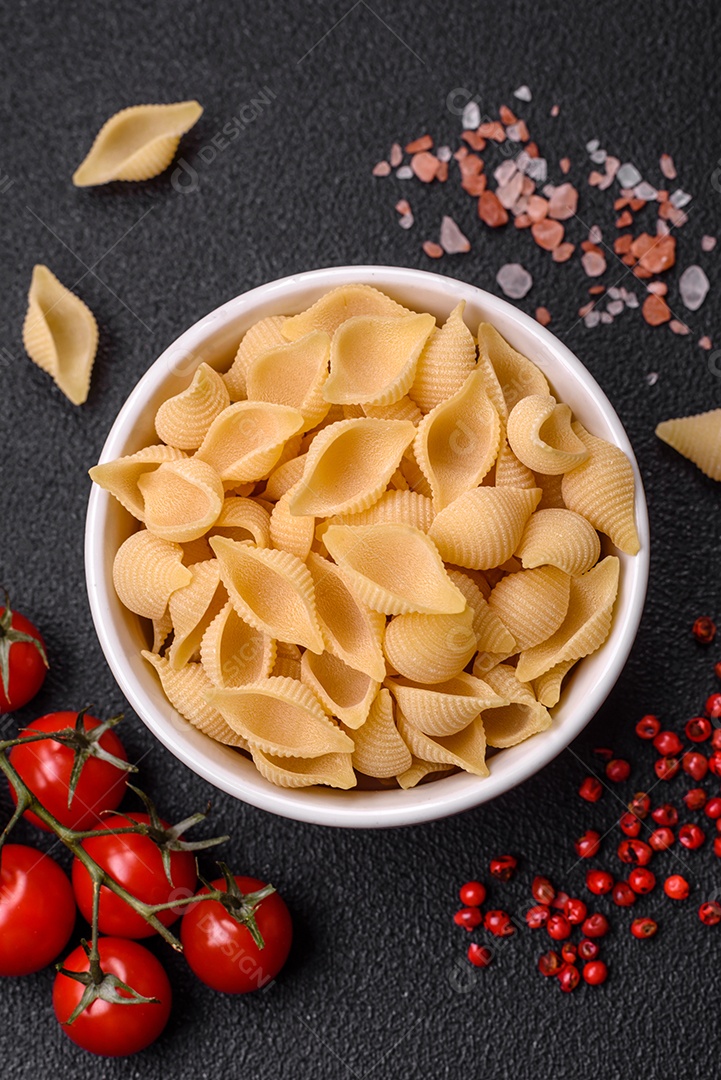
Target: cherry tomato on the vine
x=222 y=952
x=46 y=768
x=37 y=910
x=113 y=1029
x=23 y=660
x=135 y=862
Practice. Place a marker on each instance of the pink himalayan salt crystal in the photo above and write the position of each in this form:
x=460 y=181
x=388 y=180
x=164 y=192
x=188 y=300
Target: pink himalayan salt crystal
x=406 y=221
x=660 y=288
x=523 y=93
x=595 y=235
x=693 y=286
x=403 y=206
x=555 y=110
x=425 y=166
x=667 y=166
x=396 y=155
x=678 y=327
x=514 y=280
x=505 y=171
x=564 y=165
x=708 y=243
x=593 y=263
x=382 y=169
x=705 y=342
x=452 y=239
x=432 y=250
x=595 y=178
x=543 y=316
x=563 y=252
x=510 y=192
x=563 y=202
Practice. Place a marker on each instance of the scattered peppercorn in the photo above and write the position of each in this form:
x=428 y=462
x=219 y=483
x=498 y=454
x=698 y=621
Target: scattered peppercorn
x=558 y=927
x=649 y=726
x=588 y=845
x=710 y=913
x=472 y=894
x=595 y=925
x=713 y=708
x=623 y=895
x=698 y=728
x=575 y=911
x=644 y=928
x=503 y=867
x=538 y=916
x=542 y=890
x=569 y=953
x=661 y=839
x=479 y=955
x=668 y=743
x=642 y=880
x=635 y=852
x=676 y=887
x=595 y=972
x=630 y=824
x=499 y=923
x=569 y=978
x=665 y=815
x=587 y=949
x=695 y=799
x=618 y=770
x=550 y=963
x=591 y=789
x=704 y=630
x=667 y=767
x=640 y=805
x=712 y=808
x=695 y=764
x=468 y=918
x=599 y=882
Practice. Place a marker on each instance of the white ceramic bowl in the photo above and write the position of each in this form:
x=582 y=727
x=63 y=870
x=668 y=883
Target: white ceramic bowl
x=122 y=635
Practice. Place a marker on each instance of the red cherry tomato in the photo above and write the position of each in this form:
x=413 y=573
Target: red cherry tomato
x=222 y=952
x=37 y=910
x=45 y=766
x=110 y=1028
x=23 y=660
x=135 y=862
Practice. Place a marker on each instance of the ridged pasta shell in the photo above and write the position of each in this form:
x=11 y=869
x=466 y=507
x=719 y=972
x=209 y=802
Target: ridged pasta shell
x=510 y=472
x=490 y=633
x=247 y=439
x=445 y=363
x=281 y=717
x=698 y=438
x=162 y=628
x=339 y=305
x=243 y=519
x=482 y=528
x=602 y=491
x=393 y=568
x=184 y=420
x=430 y=648
x=293 y=374
x=540 y=435
x=373 y=358
x=146 y=572
x=350 y=630
x=513 y=723
x=379 y=748
x=466 y=749
x=234 y=653
x=532 y=603
x=547 y=687
x=419 y=770
x=447 y=707
x=586 y=626
x=193 y=609
x=60 y=334
x=291 y=532
x=333 y=770
x=182 y=499
x=120 y=477
x=187 y=691
x=284 y=477
x=272 y=590
x=287 y=660
x=349 y=465
x=517 y=375
x=559 y=538
x=458 y=441
x=137 y=143
x=263 y=335
x=346 y=693
x=413 y=475
x=403 y=409
x=396 y=507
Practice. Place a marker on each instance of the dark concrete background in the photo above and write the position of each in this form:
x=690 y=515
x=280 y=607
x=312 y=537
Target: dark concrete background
x=376 y=984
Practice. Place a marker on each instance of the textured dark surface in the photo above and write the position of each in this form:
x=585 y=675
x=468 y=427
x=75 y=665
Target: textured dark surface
x=376 y=983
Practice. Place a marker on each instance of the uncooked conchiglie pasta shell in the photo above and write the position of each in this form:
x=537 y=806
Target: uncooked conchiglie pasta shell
x=351 y=631
x=184 y=420
x=192 y=609
x=345 y=693
x=393 y=568
x=333 y=770
x=559 y=538
x=373 y=358
x=187 y=691
x=262 y=336
x=246 y=441
x=293 y=374
x=419 y=770
x=379 y=748
x=510 y=472
x=445 y=708
x=540 y=434
x=284 y=477
x=401 y=507
x=403 y=409
x=146 y=571
x=532 y=603
x=120 y=477
x=339 y=305
x=491 y=635
x=447 y=360
x=466 y=749
x=291 y=532
x=522 y=717
x=430 y=648
x=234 y=653
x=182 y=499
x=481 y=528
x=60 y=334
x=602 y=491
x=517 y=375
x=242 y=518
x=698 y=438
x=137 y=143
x=547 y=687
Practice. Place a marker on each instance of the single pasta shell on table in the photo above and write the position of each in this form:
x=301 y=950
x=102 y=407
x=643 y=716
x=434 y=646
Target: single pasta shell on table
x=430 y=648
x=161 y=630
x=419 y=770
x=490 y=633
x=517 y=375
x=243 y=519
x=532 y=603
x=284 y=477
x=602 y=491
x=482 y=528
x=350 y=630
x=445 y=363
x=246 y=441
x=234 y=653
x=349 y=465
x=400 y=507
x=332 y=770
x=263 y=335
x=293 y=374
x=137 y=143
x=559 y=538
x=373 y=358
x=60 y=334
x=146 y=572
x=287 y=660
x=403 y=409
x=393 y=568
x=182 y=499
x=547 y=687
x=339 y=305
x=345 y=693
x=193 y=609
x=187 y=691
x=281 y=717
x=446 y=707
x=510 y=472
x=272 y=590
x=522 y=717
x=379 y=748
x=585 y=627
x=291 y=532
x=466 y=748
x=184 y=420
x=458 y=441
x=120 y=477
x=698 y=438
x=540 y=435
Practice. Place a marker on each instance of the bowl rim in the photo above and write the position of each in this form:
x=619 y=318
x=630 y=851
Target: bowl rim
x=356 y=809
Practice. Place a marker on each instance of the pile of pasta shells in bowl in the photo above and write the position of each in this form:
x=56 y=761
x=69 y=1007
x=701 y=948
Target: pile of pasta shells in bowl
x=366 y=546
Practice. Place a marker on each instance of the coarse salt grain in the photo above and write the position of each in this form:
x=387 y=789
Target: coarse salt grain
x=406 y=221
x=628 y=175
x=593 y=263
x=705 y=342
x=543 y=316
x=504 y=172
x=598 y=156
x=523 y=93
x=471 y=115
x=652 y=378
x=679 y=198
x=595 y=235
x=514 y=280
x=645 y=191
x=592 y=319
x=615 y=307
x=444 y=153
x=382 y=169
x=404 y=173
x=452 y=239
x=667 y=166
x=708 y=243
x=396 y=155
x=592 y=146
x=678 y=327
x=693 y=286
x=432 y=250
